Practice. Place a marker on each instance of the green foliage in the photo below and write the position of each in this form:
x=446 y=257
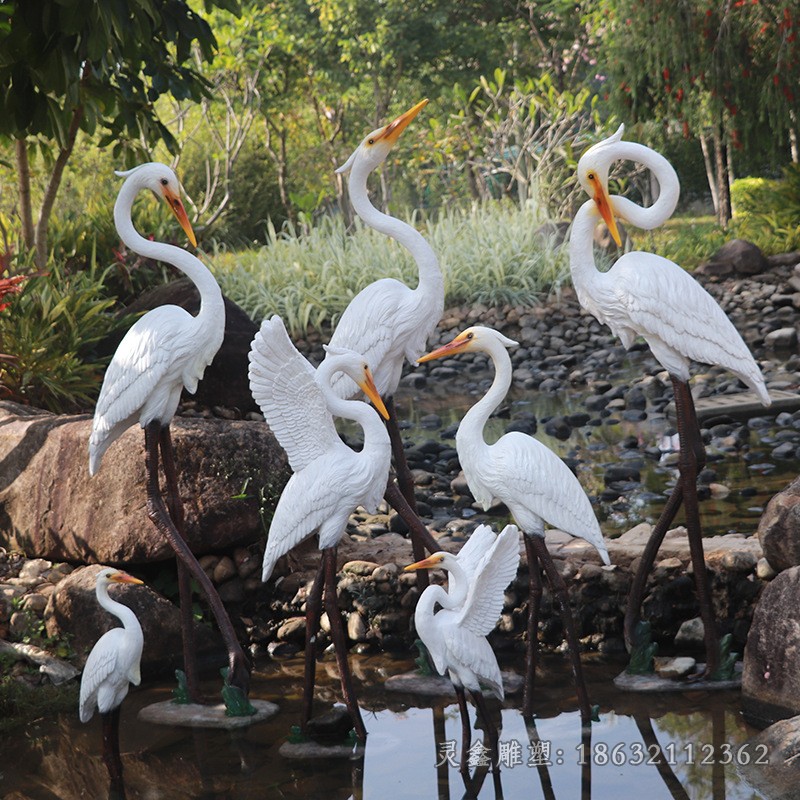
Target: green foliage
x=21 y=703
x=643 y=650
x=489 y=253
x=727 y=660
x=50 y=331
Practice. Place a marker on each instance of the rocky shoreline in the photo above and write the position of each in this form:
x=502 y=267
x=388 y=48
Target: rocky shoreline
x=562 y=350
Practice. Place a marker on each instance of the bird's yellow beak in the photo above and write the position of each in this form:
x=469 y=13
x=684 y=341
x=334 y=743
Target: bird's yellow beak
x=174 y=202
x=431 y=562
x=603 y=202
x=391 y=133
x=458 y=344
x=371 y=391
x=123 y=577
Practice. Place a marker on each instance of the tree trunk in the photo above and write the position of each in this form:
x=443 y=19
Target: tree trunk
x=710 y=177
x=24 y=184
x=722 y=169
x=53 y=185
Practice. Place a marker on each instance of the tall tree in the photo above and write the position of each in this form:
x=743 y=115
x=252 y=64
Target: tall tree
x=79 y=65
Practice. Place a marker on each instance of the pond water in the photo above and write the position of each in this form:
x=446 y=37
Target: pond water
x=655 y=746
x=752 y=475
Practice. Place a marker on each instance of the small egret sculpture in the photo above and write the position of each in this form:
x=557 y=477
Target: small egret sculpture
x=649 y=296
x=455 y=635
x=111 y=667
x=330 y=479
x=164 y=352
x=534 y=483
x=388 y=322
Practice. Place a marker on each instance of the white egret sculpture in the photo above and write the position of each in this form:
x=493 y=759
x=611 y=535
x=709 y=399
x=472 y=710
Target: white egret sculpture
x=534 y=483
x=330 y=479
x=388 y=322
x=649 y=296
x=164 y=352
x=112 y=665
x=455 y=635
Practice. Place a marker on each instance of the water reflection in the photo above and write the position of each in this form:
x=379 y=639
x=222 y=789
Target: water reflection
x=656 y=746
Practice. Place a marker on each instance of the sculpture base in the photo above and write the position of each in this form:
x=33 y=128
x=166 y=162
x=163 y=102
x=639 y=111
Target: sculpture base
x=194 y=715
x=311 y=750
x=438 y=685
x=654 y=683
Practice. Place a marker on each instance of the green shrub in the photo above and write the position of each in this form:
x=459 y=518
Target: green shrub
x=49 y=332
x=753 y=195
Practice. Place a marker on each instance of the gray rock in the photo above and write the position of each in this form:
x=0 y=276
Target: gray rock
x=690 y=634
x=738 y=257
x=779 y=528
x=782 y=337
x=771 y=767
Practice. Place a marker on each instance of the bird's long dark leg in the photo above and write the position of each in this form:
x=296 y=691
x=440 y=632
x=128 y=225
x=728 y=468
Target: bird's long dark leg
x=340 y=643
x=534 y=602
x=560 y=591
x=488 y=723
x=313 y=613
x=111 y=756
x=175 y=506
x=691 y=460
x=466 y=729
x=421 y=538
x=239 y=672
x=404 y=478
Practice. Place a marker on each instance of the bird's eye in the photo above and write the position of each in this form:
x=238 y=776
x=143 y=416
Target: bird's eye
x=590 y=176
x=371 y=140
x=470 y=336
x=164 y=182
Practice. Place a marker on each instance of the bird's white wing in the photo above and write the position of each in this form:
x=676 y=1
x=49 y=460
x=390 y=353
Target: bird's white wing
x=376 y=325
x=494 y=573
x=100 y=665
x=468 y=653
x=282 y=383
x=537 y=485
x=475 y=548
x=665 y=304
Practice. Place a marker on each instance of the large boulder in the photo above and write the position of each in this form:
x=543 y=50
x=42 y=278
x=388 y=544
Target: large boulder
x=737 y=257
x=771 y=678
x=73 y=612
x=779 y=528
x=230 y=474
x=225 y=381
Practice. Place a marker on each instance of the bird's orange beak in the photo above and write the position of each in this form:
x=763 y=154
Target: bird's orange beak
x=174 y=202
x=603 y=202
x=450 y=349
x=391 y=133
x=371 y=391
x=123 y=577
x=431 y=562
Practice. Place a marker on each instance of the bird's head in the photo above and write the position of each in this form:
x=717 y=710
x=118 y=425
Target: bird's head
x=435 y=561
x=161 y=180
x=355 y=366
x=475 y=339
x=110 y=575
x=593 y=170
x=375 y=146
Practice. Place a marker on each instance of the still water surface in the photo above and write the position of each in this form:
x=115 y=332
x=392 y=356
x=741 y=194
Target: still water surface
x=698 y=738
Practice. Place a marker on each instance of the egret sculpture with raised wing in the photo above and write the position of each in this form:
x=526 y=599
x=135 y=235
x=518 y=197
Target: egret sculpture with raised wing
x=387 y=321
x=649 y=296
x=534 y=483
x=112 y=665
x=330 y=479
x=455 y=635
x=164 y=352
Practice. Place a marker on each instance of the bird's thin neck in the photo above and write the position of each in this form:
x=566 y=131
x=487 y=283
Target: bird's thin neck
x=430 y=275
x=581 y=248
x=471 y=428
x=191 y=266
x=124 y=614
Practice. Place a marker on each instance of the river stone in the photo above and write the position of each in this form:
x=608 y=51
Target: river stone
x=771 y=766
x=73 y=611
x=771 y=682
x=50 y=508
x=225 y=382
x=736 y=257
x=779 y=528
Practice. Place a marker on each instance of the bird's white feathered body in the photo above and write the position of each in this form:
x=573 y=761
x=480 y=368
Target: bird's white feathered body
x=644 y=294
x=330 y=479
x=517 y=470
x=455 y=635
x=114 y=661
x=387 y=321
x=165 y=351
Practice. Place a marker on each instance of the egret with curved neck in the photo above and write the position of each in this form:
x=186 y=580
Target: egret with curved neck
x=387 y=321
x=455 y=635
x=164 y=352
x=649 y=296
x=330 y=479
x=113 y=664
x=537 y=487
